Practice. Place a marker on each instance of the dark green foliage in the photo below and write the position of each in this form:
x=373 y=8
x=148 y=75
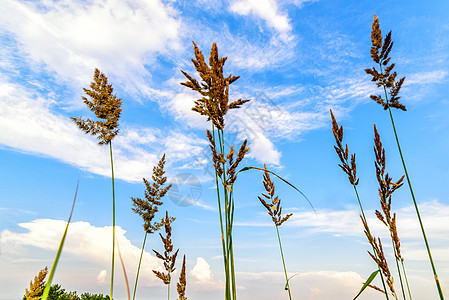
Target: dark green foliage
x=58 y=293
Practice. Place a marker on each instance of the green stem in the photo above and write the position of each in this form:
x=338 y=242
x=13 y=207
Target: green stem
x=440 y=291
x=223 y=241
x=406 y=280
x=138 y=268
x=399 y=270
x=229 y=219
x=113 y=222
x=283 y=263
x=168 y=291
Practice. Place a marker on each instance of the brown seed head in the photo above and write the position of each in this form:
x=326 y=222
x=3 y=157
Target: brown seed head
x=384 y=78
x=169 y=258
x=214 y=87
x=274 y=208
x=153 y=194
x=181 y=286
x=106 y=107
x=350 y=168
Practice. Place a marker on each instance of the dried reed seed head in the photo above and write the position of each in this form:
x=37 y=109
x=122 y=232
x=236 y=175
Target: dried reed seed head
x=168 y=258
x=166 y=278
x=153 y=194
x=37 y=287
x=343 y=153
x=181 y=286
x=395 y=237
x=379 y=53
x=376 y=288
x=105 y=106
x=274 y=208
x=214 y=87
x=386 y=185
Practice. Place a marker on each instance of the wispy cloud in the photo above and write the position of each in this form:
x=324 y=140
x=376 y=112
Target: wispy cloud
x=29 y=123
x=70 y=38
x=266 y=10
x=437 y=76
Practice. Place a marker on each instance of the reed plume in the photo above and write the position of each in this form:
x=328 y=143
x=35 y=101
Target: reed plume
x=275 y=211
x=106 y=108
x=169 y=258
x=181 y=286
x=214 y=104
x=386 y=188
x=387 y=81
x=349 y=166
x=148 y=207
x=379 y=258
x=36 y=286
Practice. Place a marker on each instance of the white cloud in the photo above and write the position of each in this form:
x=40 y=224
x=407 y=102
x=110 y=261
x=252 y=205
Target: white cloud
x=266 y=10
x=28 y=123
x=347 y=223
x=204 y=278
x=71 y=38
x=101 y=278
x=84 y=243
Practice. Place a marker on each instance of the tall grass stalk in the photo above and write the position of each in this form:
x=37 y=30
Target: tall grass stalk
x=387 y=80
x=275 y=211
x=169 y=258
x=386 y=189
x=113 y=221
x=214 y=103
x=106 y=108
x=350 y=168
x=148 y=207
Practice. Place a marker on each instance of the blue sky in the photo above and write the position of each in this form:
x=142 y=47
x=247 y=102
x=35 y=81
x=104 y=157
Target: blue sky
x=296 y=60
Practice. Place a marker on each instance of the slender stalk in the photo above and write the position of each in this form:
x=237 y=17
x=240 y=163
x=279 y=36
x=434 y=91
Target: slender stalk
x=113 y=221
x=283 y=263
x=223 y=240
x=399 y=270
x=229 y=219
x=440 y=292
x=406 y=281
x=138 y=268
x=168 y=291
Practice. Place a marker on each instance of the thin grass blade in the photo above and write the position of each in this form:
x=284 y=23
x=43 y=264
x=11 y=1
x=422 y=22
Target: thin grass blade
x=263 y=170
x=368 y=282
x=124 y=271
x=58 y=254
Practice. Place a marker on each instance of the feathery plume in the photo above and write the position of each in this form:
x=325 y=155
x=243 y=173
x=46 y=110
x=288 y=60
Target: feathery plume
x=169 y=258
x=36 y=287
x=106 y=108
x=384 y=77
x=153 y=194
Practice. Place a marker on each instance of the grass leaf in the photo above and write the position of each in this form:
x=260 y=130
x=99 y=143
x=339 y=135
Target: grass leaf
x=368 y=282
x=256 y=168
x=58 y=254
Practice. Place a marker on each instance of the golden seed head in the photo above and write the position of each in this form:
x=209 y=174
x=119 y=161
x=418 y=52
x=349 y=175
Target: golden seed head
x=106 y=108
x=349 y=167
x=385 y=78
x=36 y=287
x=168 y=258
x=274 y=208
x=153 y=194
x=214 y=87
x=181 y=286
